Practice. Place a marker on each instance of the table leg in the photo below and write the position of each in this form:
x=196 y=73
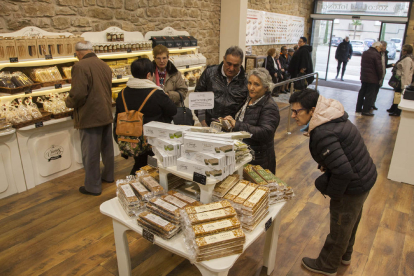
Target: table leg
x=272 y=235
x=206 y=191
x=205 y=272
x=163 y=178
x=122 y=249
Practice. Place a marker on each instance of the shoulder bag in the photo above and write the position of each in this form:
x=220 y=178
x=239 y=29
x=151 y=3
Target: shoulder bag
x=184 y=115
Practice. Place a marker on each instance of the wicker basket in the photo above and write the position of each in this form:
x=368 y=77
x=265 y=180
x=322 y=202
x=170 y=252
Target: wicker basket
x=62 y=114
x=46 y=116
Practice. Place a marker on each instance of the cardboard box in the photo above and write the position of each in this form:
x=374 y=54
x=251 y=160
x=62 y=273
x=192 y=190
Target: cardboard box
x=209 y=145
x=157 y=40
x=165 y=159
x=169 y=147
x=178 y=42
x=7 y=48
x=169 y=42
x=165 y=131
x=214 y=161
x=193 y=41
x=42 y=47
x=190 y=167
x=185 y=41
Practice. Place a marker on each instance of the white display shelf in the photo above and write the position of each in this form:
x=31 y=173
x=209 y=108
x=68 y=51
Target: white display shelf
x=8 y=132
x=191 y=68
x=176 y=245
x=206 y=191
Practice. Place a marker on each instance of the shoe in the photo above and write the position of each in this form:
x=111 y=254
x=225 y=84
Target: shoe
x=310 y=264
x=103 y=180
x=389 y=110
x=374 y=107
x=342 y=79
x=346 y=262
x=394 y=114
x=85 y=192
x=367 y=114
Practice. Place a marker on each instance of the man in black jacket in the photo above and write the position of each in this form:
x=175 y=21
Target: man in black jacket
x=228 y=83
x=343 y=54
x=348 y=173
x=301 y=62
x=385 y=65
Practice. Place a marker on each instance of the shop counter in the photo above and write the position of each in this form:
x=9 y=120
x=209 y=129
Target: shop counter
x=216 y=267
x=401 y=167
x=11 y=171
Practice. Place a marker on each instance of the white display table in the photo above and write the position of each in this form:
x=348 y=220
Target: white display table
x=206 y=191
x=216 y=267
x=402 y=164
x=11 y=171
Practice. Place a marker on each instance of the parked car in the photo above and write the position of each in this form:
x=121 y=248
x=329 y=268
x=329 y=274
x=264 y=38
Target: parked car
x=336 y=41
x=392 y=49
x=358 y=46
x=398 y=43
x=369 y=42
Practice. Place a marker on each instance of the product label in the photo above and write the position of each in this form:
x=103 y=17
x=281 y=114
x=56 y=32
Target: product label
x=140 y=188
x=175 y=201
x=217 y=225
x=256 y=196
x=209 y=207
x=165 y=205
x=220 y=237
x=156 y=219
x=128 y=190
x=185 y=198
x=247 y=192
x=211 y=215
x=237 y=189
x=151 y=182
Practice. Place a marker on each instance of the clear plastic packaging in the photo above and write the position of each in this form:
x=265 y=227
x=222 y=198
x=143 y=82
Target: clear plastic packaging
x=141 y=191
x=207 y=207
x=251 y=175
x=165 y=206
x=224 y=186
x=209 y=228
x=157 y=225
x=256 y=199
x=236 y=190
x=187 y=199
x=175 y=201
x=209 y=216
x=151 y=184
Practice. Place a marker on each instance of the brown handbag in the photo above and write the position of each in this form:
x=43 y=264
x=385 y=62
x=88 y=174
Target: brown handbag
x=130 y=122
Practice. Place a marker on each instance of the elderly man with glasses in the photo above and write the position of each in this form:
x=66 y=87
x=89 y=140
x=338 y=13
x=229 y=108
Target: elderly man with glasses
x=228 y=83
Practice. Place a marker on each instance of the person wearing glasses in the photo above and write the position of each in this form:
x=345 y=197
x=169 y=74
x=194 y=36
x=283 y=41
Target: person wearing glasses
x=228 y=83
x=259 y=115
x=348 y=173
x=167 y=76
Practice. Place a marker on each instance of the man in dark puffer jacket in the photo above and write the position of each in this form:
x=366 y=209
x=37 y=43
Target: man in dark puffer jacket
x=349 y=173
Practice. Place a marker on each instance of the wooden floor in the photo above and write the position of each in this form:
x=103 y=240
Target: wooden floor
x=54 y=230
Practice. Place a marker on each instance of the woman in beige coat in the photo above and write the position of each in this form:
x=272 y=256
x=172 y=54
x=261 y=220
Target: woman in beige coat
x=167 y=76
x=404 y=70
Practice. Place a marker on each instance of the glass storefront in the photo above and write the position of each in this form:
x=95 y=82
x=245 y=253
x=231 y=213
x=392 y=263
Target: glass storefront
x=363 y=8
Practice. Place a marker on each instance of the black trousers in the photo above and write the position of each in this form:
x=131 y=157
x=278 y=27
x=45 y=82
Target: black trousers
x=141 y=161
x=366 y=97
x=394 y=107
x=344 y=63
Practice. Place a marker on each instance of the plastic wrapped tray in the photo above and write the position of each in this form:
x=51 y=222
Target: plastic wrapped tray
x=236 y=190
x=209 y=216
x=224 y=186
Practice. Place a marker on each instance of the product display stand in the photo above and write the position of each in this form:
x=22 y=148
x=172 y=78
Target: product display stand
x=176 y=245
x=206 y=191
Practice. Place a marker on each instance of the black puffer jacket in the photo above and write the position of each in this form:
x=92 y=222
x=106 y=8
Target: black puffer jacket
x=261 y=120
x=344 y=51
x=284 y=62
x=227 y=96
x=302 y=59
x=336 y=144
x=371 y=66
x=269 y=64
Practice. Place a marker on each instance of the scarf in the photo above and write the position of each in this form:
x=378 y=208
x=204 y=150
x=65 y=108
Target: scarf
x=240 y=114
x=141 y=83
x=160 y=77
x=286 y=56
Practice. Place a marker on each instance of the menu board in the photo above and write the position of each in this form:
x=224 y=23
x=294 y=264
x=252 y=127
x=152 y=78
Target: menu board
x=264 y=28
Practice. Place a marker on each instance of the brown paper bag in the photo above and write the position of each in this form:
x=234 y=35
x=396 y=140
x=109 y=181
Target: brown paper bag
x=397 y=97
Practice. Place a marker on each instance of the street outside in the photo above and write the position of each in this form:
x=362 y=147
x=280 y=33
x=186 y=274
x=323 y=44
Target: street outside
x=353 y=67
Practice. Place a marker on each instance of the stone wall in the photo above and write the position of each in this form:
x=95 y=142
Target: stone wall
x=303 y=8
x=201 y=18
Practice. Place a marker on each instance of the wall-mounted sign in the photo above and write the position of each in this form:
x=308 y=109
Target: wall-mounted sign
x=53 y=153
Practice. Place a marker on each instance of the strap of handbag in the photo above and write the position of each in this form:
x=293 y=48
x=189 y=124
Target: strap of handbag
x=181 y=99
x=142 y=105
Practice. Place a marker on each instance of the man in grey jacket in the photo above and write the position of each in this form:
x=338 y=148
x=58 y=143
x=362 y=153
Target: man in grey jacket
x=91 y=98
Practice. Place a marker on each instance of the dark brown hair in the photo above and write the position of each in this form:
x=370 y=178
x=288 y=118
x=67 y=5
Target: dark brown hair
x=271 y=52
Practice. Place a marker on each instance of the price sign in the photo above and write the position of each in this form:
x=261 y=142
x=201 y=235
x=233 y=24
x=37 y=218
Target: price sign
x=201 y=100
x=75 y=55
x=199 y=178
x=48 y=57
x=40 y=124
x=268 y=224
x=148 y=235
x=119 y=77
x=58 y=85
x=129 y=51
x=152 y=161
x=187 y=66
x=28 y=91
x=14 y=59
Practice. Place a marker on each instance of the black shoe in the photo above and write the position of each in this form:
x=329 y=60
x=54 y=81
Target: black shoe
x=367 y=114
x=374 y=107
x=394 y=114
x=310 y=264
x=389 y=110
x=103 y=180
x=85 y=192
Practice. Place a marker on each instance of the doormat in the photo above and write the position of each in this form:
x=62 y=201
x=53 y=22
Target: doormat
x=342 y=85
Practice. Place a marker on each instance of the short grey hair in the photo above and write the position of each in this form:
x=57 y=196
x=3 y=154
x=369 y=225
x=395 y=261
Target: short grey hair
x=83 y=46
x=384 y=43
x=264 y=77
x=376 y=44
x=235 y=51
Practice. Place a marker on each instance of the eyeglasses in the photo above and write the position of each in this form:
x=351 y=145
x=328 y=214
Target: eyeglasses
x=296 y=111
x=163 y=58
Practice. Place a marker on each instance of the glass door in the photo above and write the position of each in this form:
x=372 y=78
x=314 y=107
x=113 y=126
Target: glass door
x=321 y=43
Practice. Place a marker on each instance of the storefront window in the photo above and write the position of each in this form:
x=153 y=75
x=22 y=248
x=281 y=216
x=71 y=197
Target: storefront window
x=363 y=8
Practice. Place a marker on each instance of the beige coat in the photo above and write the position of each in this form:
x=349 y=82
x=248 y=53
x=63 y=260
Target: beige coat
x=405 y=69
x=326 y=110
x=91 y=94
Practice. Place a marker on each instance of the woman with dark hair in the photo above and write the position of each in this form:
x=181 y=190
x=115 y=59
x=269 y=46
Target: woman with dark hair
x=159 y=107
x=272 y=65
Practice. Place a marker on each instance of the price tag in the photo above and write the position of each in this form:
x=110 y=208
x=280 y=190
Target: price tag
x=58 y=85
x=180 y=47
x=148 y=235
x=268 y=224
x=201 y=100
x=75 y=55
x=152 y=161
x=28 y=91
x=187 y=66
x=40 y=124
x=129 y=50
x=199 y=178
x=119 y=77
x=14 y=59
x=48 y=57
